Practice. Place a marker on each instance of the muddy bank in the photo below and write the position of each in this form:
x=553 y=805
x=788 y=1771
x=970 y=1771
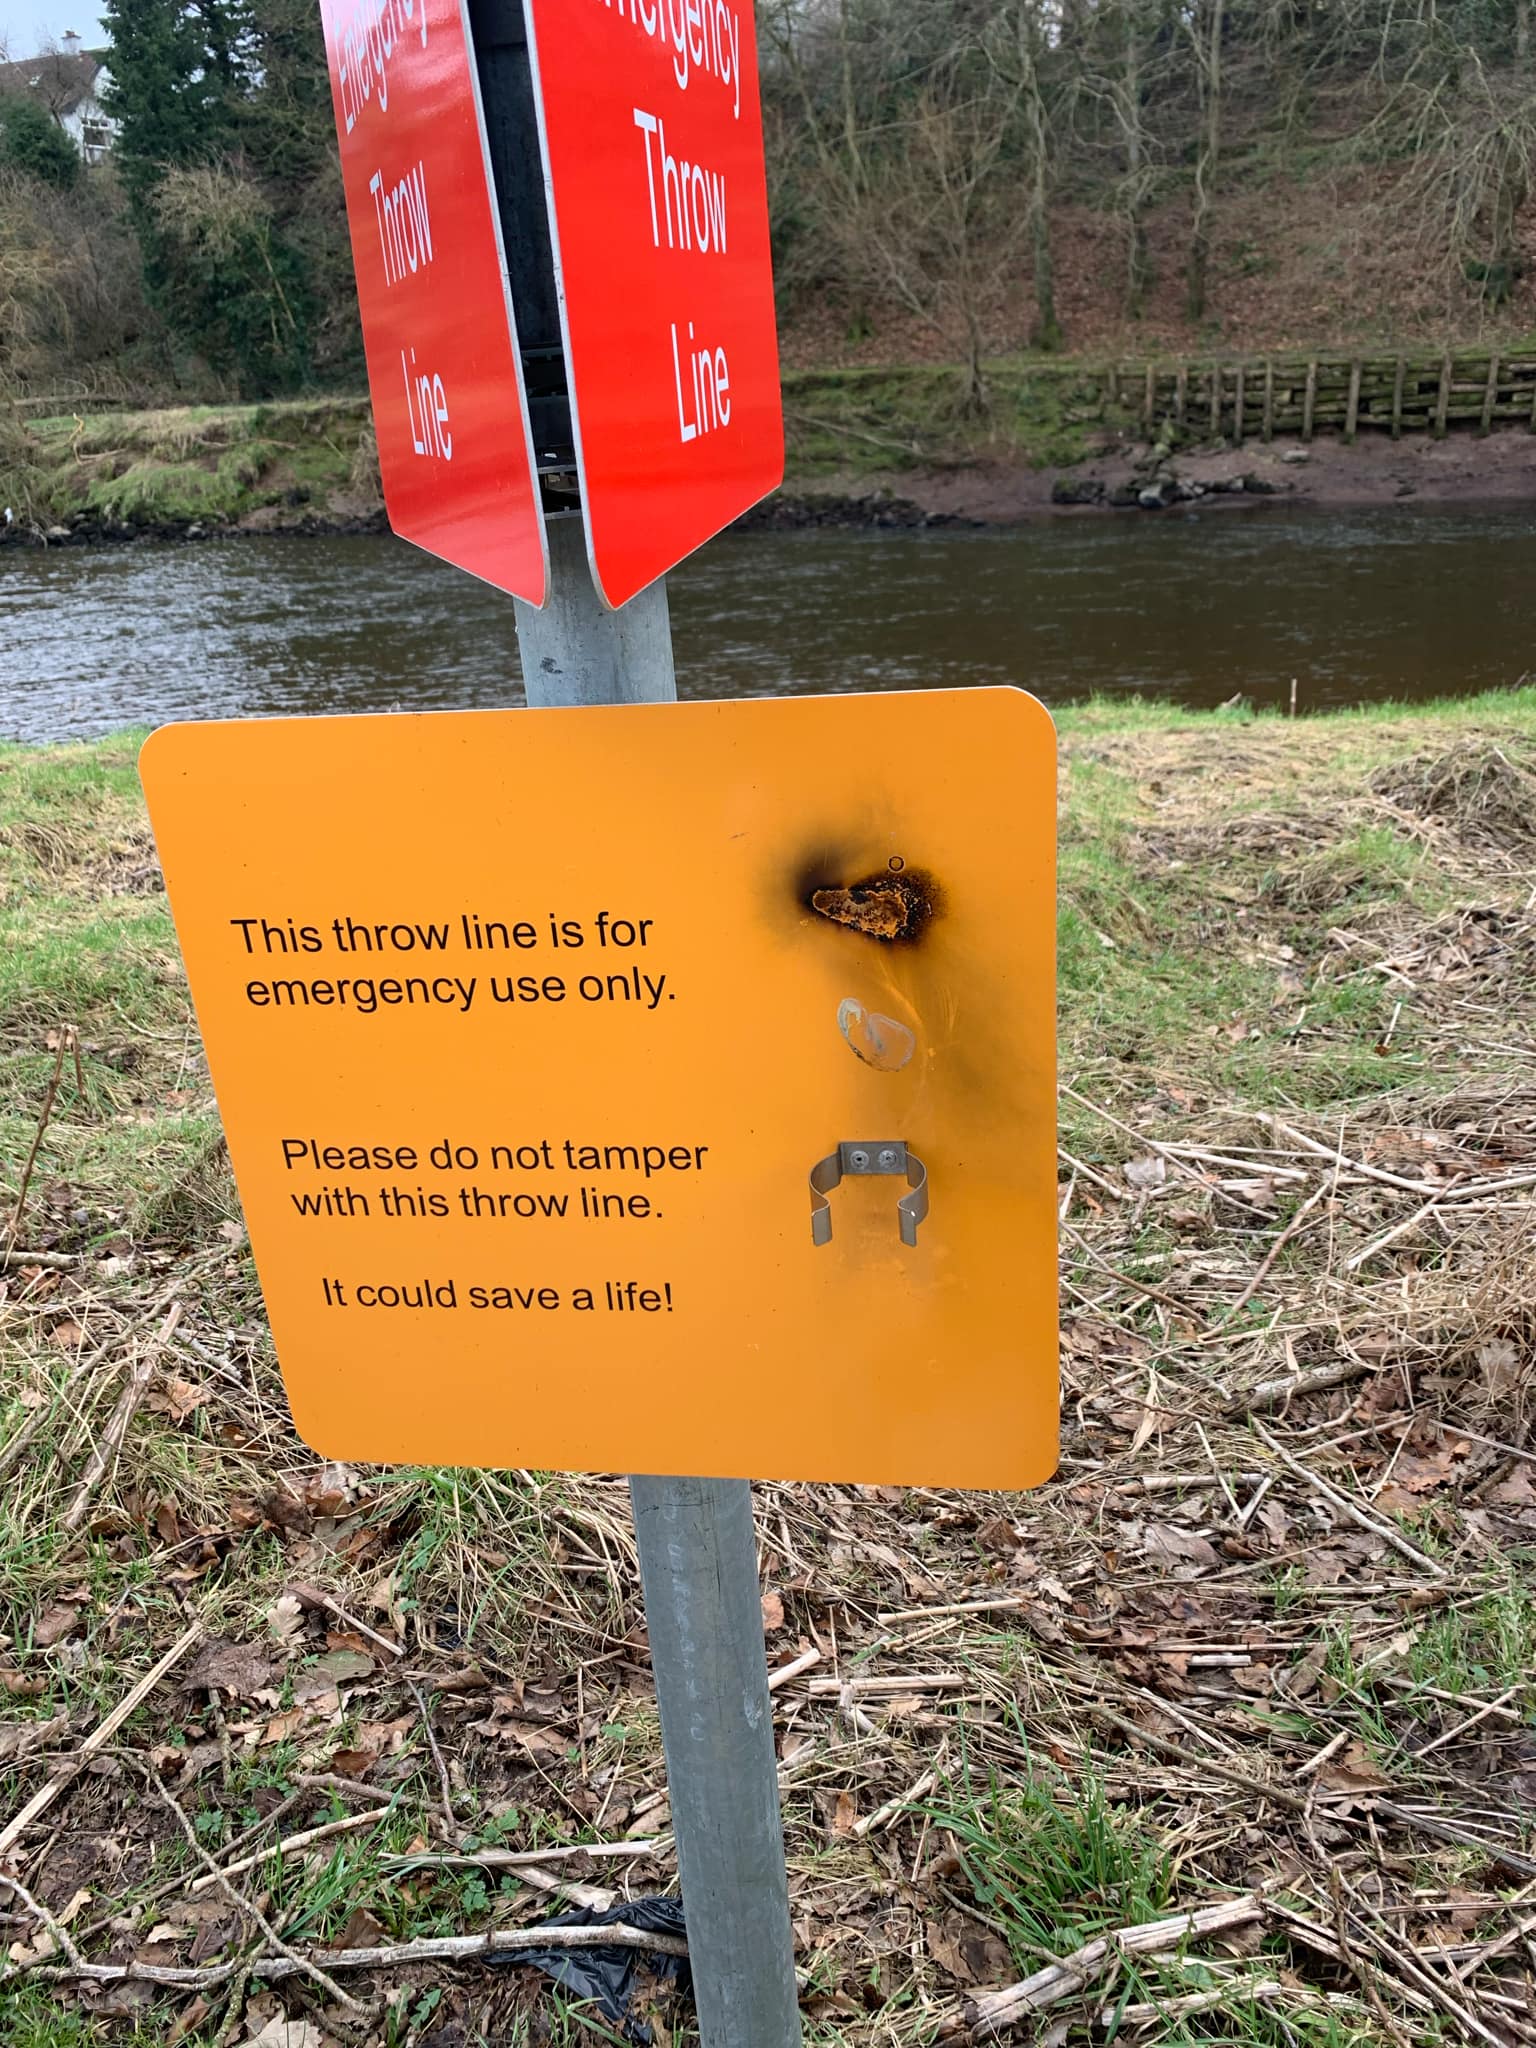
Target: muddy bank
x=1463 y=469
x=1135 y=478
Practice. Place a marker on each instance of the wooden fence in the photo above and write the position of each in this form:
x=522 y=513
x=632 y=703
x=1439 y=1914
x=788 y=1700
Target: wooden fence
x=1301 y=396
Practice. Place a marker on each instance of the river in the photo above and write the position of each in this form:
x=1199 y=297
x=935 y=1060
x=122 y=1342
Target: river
x=1389 y=602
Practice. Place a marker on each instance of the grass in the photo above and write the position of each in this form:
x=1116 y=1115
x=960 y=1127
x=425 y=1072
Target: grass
x=1046 y=1857
x=1327 y=924
x=209 y=465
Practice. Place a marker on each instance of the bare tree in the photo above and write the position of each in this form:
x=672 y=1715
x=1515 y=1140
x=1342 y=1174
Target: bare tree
x=1206 y=24
x=912 y=191
x=1018 y=50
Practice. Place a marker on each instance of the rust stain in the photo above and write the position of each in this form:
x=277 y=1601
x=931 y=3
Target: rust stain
x=892 y=907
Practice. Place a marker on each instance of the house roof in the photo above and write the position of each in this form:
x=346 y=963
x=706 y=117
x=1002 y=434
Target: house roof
x=57 y=80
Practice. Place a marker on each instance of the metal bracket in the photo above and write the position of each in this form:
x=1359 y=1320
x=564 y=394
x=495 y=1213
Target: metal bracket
x=859 y=1158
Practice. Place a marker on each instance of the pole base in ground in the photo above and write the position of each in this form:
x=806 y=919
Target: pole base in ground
x=698 y=1565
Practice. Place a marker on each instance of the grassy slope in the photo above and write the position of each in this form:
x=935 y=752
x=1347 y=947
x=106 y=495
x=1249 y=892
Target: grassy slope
x=1329 y=922
x=212 y=464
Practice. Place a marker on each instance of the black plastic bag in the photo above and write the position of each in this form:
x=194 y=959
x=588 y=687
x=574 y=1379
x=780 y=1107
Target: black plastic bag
x=608 y=1977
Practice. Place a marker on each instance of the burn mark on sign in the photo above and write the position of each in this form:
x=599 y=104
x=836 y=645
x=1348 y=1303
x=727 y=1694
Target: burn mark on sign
x=895 y=907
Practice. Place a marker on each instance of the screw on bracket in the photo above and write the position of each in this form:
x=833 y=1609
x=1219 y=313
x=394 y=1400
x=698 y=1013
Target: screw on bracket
x=859 y=1158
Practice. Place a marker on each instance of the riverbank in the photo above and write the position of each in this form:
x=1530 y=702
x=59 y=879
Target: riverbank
x=864 y=449
x=1266 y=1644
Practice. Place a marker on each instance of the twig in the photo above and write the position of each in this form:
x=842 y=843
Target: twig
x=1419 y=1690
x=1492 y=1443
x=1010 y=1604
x=301 y=1964
x=1404 y=1963
x=1087 y=1172
x=449 y=1815
x=995 y=2010
x=1446 y=1191
x=892 y=1688
x=290 y=1846
x=1276 y=1393
x=1346 y=1506
x=49 y=1093
x=46 y=1262
x=57 y=1932
x=448 y=1948
x=1497 y=1947
x=313 y=1596
x=40 y=1417
x=1454 y=1734
x=98 y=1739
x=1320 y=1756
x=591 y=1895
x=521 y=1859
x=1281 y=1242
x=1447 y=1831
x=1250 y=1991
x=1207 y=1766
x=117 y=1427
x=1379 y=1244
x=793 y=1669
x=884 y=1815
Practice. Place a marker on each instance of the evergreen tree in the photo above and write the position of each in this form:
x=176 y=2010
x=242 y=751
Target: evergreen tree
x=187 y=80
x=32 y=143
x=173 y=104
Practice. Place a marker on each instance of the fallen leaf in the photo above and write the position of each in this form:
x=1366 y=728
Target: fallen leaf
x=773 y=1612
x=970 y=1953
x=1167 y=1540
x=282 y=1726
x=361 y=1930
x=1396 y=1500
x=1302 y=1677
x=21 y=1738
x=1500 y=1362
x=54 y=1623
x=177 y=1398
x=352 y=1763
x=1423 y=1475
x=1353 y=1771
x=844 y=1813
x=385 y=1738
x=285 y=1618
x=240 y=1670
x=336 y=1667
x=37 y=1950
x=281 y=2032
x=1514 y=1492
x=188 y=2020
x=1150 y=1171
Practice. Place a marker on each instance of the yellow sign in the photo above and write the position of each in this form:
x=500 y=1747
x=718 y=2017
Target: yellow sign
x=662 y=1088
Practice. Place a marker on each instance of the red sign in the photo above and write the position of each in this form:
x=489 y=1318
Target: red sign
x=448 y=402
x=653 y=151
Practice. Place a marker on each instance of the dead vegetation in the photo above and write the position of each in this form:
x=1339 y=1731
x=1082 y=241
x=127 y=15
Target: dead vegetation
x=1225 y=1736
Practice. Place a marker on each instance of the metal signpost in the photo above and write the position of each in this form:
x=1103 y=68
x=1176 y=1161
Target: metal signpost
x=698 y=1549
x=559 y=218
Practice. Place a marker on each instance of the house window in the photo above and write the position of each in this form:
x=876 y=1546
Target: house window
x=95 y=138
